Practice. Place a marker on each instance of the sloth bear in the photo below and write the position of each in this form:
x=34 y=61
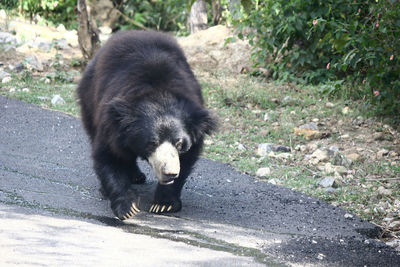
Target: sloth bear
x=139 y=98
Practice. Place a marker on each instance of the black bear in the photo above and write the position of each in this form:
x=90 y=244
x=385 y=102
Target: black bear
x=139 y=98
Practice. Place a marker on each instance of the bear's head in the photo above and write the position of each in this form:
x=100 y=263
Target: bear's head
x=158 y=129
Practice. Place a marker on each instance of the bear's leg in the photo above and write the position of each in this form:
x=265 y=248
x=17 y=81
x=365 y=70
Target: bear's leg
x=115 y=179
x=167 y=197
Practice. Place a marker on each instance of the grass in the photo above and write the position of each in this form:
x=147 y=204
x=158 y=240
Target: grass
x=241 y=103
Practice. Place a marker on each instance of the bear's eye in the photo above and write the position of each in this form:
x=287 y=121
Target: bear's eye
x=179 y=144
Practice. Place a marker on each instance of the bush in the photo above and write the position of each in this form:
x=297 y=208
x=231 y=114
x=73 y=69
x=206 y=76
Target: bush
x=319 y=41
x=55 y=11
x=164 y=15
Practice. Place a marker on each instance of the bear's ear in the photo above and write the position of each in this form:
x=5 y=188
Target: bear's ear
x=203 y=122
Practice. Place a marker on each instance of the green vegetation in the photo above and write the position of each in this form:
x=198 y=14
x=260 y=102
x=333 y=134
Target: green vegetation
x=349 y=45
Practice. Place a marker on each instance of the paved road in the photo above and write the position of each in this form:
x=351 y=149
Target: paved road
x=51 y=211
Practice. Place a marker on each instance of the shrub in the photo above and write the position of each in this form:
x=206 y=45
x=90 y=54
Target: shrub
x=318 y=41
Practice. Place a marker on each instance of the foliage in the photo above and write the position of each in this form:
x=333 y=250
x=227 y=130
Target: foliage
x=319 y=41
x=164 y=15
x=55 y=11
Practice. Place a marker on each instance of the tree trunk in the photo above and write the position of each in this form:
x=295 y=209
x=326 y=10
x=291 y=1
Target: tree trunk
x=216 y=9
x=88 y=34
x=198 y=16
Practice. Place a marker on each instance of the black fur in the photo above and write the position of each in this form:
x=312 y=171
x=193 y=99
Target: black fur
x=137 y=92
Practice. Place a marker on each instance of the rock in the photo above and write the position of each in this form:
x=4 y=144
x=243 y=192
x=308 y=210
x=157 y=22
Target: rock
x=345 y=136
x=394 y=243
x=25 y=90
x=281 y=148
x=61 y=28
x=333 y=151
x=43 y=98
x=6 y=79
x=241 y=147
x=315 y=120
x=329 y=168
x=57 y=100
x=41 y=44
x=384 y=191
x=287 y=100
x=272 y=181
x=105 y=30
x=394 y=226
x=18 y=67
x=381 y=153
x=329 y=105
x=7 y=40
x=330 y=190
x=311 y=125
x=348 y=216
x=12 y=90
x=266 y=117
x=341 y=160
x=279 y=155
x=33 y=63
x=310 y=134
x=353 y=157
x=4 y=74
x=328 y=182
x=346 y=110
x=319 y=156
x=62 y=44
x=264 y=149
x=263 y=172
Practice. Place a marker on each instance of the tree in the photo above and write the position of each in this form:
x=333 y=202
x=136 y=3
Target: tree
x=88 y=34
x=198 y=16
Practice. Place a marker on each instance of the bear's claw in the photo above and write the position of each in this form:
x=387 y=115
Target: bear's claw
x=156 y=208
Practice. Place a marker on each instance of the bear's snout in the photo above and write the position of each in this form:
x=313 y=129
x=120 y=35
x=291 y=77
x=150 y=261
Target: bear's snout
x=165 y=163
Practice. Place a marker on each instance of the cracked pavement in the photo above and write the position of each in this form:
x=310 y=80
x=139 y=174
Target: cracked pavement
x=51 y=211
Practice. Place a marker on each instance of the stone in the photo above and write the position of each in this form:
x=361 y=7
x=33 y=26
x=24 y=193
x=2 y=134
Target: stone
x=346 y=110
x=281 y=148
x=266 y=117
x=263 y=172
x=329 y=105
x=264 y=149
x=8 y=39
x=6 y=79
x=319 y=156
x=311 y=125
x=4 y=74
x=353 y=157
x=61 y=28
x=381 y=153
x=394 y=226
x=329 y=168
x=348 y=216
x=345 y=136
x=57 y=100
x=12 y=90
x=25 y=90
x=241 y=147
x=328 y=182
x=272 y=181
x=34 y=63
x=330 y=190
x=287 y=99
x=62 y=44
x=384 y=191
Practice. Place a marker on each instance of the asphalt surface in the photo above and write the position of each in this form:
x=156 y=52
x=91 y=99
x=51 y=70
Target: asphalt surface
x=51 y=211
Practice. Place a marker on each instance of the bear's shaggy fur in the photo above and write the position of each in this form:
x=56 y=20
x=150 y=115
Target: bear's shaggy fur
x=139 y=98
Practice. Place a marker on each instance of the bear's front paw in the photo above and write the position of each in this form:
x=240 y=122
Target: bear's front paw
x=125 y=207
x=166 y=206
